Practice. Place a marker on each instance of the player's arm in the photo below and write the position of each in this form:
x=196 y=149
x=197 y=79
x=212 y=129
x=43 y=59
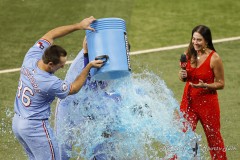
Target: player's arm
x=80 y=80
x=85 y=51
x=64 y=30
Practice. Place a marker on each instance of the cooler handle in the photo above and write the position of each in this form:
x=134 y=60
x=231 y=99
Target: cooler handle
x=104 y=58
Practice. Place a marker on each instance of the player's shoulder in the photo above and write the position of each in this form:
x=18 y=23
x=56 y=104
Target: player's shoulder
x=45 y=82
x=29 y=62
x=48 y=78
x=59 y=88
x=53 y=80
x=37 y=50
x=41 y=45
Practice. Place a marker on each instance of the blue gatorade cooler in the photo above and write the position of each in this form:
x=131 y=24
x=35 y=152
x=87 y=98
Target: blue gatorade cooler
x=109 y=43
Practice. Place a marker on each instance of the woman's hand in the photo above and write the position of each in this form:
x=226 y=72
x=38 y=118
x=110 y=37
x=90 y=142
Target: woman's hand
x=182 y=74
x=201 y=84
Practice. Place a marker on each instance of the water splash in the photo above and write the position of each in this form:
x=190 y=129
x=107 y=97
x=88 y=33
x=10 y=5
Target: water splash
x=132 y=118
x=5 y=122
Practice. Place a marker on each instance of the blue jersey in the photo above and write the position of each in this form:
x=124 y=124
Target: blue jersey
x=37 y=88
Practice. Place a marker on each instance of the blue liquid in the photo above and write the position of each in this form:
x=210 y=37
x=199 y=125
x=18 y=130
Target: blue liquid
x=131 y=118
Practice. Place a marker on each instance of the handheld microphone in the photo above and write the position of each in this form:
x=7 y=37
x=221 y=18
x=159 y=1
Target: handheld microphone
x=183 y=64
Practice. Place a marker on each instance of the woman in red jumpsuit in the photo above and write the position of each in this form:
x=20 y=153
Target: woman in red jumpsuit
x=204 y=75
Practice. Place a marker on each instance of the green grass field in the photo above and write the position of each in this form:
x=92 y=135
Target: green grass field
x=150 y=24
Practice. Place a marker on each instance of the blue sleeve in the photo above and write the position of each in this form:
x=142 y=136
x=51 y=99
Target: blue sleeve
x=86 y=60
x=75 y=68
x=37 y=50
x=60 y=89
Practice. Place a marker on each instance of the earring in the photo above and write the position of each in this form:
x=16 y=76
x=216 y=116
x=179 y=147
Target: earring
x=205 y=47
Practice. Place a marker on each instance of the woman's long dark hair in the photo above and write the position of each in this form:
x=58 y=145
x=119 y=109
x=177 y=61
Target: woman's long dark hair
x=206 y=33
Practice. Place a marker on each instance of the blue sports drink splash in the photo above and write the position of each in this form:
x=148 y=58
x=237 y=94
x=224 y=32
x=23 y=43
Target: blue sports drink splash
x=131 y=118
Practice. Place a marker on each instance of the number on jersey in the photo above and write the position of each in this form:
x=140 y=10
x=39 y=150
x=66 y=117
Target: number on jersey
x=22 y=94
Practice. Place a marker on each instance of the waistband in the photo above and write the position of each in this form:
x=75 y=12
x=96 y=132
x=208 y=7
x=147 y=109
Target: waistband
x=29 y=118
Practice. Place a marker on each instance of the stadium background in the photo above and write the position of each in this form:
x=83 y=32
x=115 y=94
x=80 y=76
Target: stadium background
x=150 y=24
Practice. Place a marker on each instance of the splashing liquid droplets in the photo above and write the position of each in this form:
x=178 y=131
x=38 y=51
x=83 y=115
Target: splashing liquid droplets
x=132 y=118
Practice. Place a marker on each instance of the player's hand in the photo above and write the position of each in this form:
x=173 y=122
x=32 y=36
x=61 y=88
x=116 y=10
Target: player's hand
x=85 y=23
x=96 y=63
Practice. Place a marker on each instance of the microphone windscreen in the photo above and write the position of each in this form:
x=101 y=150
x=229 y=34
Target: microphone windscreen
x=183 y=58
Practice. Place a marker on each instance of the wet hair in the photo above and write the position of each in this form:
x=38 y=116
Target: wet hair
x=53 y=54
x=206 y=33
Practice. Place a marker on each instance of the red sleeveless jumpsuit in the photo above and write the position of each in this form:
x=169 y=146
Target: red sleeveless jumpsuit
x=202 y=104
